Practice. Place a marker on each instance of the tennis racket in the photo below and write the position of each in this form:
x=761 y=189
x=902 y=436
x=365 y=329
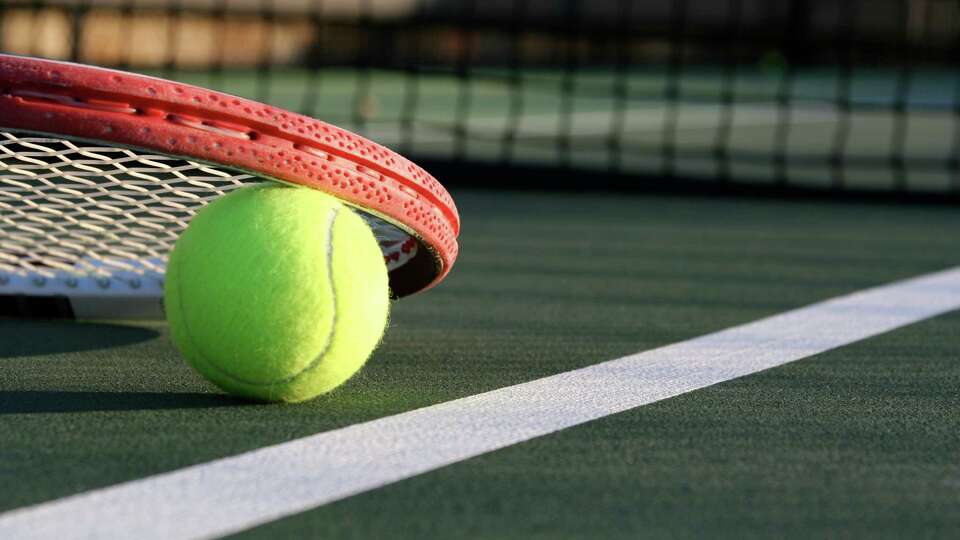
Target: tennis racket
x=100 y=171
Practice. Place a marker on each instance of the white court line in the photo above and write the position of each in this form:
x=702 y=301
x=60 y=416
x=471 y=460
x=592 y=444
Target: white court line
x=595 y=123
x=243 y=491
x=651 y=118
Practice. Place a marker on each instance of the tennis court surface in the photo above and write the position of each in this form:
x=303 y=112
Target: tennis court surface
x=708 y=282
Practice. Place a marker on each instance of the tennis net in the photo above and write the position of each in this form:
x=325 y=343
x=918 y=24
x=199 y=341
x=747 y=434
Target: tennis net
x=861 y=96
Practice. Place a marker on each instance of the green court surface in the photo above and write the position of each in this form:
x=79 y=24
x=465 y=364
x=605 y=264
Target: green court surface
x=860 y=441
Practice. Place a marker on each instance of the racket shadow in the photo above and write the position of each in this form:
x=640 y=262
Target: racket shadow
x=36 y=337
x=54 y=401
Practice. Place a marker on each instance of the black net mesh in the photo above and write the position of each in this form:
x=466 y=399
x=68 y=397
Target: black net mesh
x=861 y=96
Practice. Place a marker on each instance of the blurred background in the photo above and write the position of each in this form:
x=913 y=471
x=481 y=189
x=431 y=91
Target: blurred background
x=802 y=96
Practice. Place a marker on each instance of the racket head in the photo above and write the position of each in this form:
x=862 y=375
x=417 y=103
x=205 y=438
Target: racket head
x=57 y=118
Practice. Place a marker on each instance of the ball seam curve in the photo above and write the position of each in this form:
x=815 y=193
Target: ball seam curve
x=334 y=212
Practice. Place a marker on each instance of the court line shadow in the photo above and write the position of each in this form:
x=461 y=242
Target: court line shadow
x=20 y=337
x=52 y=401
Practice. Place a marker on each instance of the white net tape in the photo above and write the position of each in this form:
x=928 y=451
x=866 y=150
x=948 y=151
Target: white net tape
x=72 y=210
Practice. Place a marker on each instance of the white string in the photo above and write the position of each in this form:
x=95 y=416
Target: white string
x=72 y=209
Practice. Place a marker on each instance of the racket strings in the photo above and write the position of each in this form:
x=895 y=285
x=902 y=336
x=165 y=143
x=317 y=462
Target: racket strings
x=72 y=209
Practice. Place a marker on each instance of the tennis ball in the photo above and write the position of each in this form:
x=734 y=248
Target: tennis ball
x=276 y=293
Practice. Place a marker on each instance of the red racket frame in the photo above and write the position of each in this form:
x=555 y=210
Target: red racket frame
x=98 y=104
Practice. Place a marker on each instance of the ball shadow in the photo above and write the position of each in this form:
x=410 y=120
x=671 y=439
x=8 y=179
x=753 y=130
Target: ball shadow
x=47 y=401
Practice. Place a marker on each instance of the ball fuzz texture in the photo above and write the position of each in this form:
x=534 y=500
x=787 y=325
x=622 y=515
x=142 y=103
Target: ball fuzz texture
x=277 y=293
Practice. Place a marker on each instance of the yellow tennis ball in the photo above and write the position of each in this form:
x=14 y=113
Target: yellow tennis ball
x=277 y=293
